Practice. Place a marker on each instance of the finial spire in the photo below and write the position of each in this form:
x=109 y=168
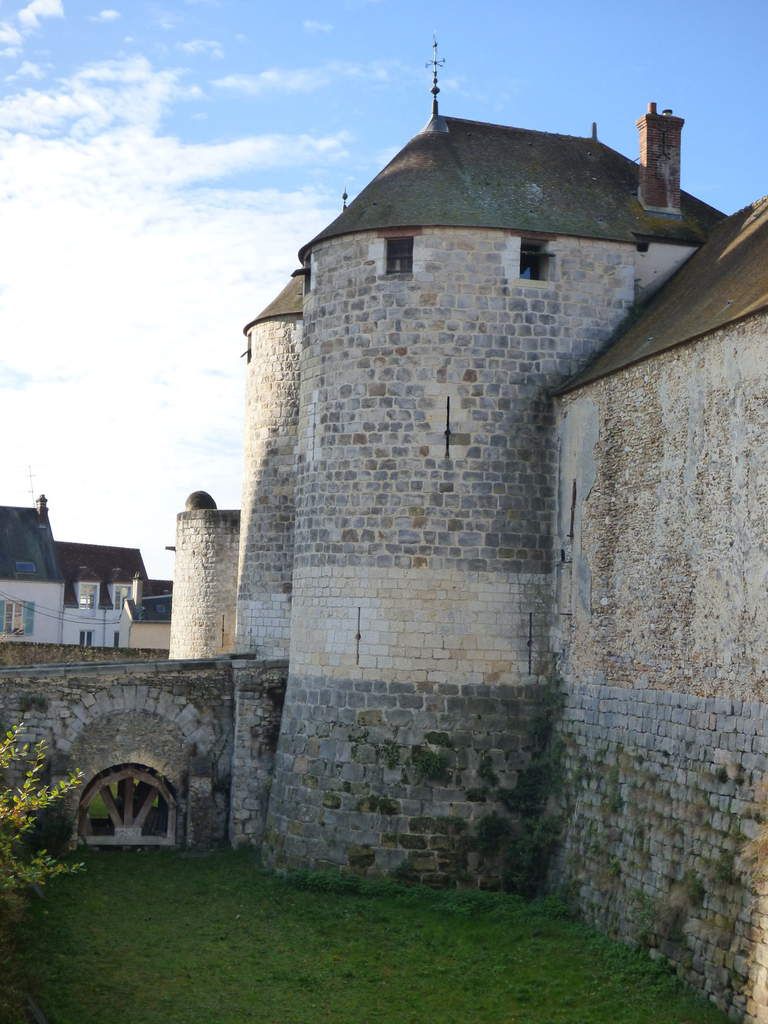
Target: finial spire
x=435 y=63
x=344 y=198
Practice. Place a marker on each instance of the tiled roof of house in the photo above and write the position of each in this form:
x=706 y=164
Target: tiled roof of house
x=290 y=301
x=487 y=175
x=26 y=542
x=158 y=588
x=97 y=563
x=726 y=280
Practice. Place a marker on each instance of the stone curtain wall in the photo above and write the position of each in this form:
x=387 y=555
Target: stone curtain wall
x=664 y=794
x=269 y=477
x=209 y=727
x=205 y=583
x=414 y=572
x=19 y=653
x=663 y=630
x=669 y=564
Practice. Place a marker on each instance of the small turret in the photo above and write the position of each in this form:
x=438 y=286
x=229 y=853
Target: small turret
x=266 y=534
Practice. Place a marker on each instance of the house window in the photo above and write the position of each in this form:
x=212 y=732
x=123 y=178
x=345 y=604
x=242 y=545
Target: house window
x=533 y=261
x=17 y=617
x=116 y=639
x=122 y=591
x=88 y=595
x=86 y=638
x=400 y=255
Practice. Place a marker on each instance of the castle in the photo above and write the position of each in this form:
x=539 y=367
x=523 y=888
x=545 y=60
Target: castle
x=504 y=521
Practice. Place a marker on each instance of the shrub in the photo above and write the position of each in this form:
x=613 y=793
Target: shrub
x=23 y=863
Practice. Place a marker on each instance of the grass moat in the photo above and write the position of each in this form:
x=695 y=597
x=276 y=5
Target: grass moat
x=167 y=938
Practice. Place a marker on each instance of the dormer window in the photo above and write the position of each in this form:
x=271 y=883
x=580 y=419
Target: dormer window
x=400 y=255
x=533 y=261
x=87 y=595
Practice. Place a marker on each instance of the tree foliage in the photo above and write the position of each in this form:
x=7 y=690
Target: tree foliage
x=19 y=809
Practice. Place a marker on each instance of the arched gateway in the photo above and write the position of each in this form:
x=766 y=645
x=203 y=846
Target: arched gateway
x=128 y=805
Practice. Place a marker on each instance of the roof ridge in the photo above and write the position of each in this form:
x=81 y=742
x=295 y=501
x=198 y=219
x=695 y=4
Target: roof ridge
x=88 y=544
x=517 y=128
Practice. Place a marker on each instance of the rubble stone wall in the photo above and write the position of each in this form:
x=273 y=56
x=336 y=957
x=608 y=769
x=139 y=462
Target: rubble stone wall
x=198 y=724
x=662 y=630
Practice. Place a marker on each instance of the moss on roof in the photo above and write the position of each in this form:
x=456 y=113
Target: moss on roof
x=727 y=279
x=486 y=175
x=289 y=302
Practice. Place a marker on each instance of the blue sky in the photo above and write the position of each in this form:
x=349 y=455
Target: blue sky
x=161 y=163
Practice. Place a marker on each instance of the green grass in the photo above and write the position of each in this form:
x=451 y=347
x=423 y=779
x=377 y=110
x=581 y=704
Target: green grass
x=163 y=938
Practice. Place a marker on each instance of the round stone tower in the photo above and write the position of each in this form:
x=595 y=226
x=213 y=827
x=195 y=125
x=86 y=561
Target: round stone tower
x=205 y=579
x=267 y=515
x=475 y=274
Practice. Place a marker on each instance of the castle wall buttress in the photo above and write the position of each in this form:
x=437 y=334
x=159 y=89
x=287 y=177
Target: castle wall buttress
x=422 y=587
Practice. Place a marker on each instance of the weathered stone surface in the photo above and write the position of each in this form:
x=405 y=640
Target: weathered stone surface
x=209 y=728
x=205 y=583
x=266 y=541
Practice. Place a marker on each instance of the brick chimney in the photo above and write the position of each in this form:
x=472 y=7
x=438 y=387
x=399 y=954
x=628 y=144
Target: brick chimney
x=42 y=510
x=659 y=186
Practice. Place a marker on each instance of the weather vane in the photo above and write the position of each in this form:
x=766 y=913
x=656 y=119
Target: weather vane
x=435 y=63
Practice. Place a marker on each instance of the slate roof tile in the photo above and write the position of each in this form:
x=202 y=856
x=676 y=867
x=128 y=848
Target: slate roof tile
x=487 y=175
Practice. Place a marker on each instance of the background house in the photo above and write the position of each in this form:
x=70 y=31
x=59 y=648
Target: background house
x=31 y=585
x=145 y=619
x=59 y=592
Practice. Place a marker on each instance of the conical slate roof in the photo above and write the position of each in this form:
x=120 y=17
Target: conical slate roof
x=289 y=302
x=486 y=175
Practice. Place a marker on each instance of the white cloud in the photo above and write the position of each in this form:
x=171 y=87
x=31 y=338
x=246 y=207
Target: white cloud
x=316 y=26
x=9 y=36
x=109 y=14
x=30 y=15
x=202 y=46
x=145 y=272
x=301 y=79
x=26 y=70
x=98 y=96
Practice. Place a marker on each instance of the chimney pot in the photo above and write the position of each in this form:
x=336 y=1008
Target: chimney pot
x=651 y=108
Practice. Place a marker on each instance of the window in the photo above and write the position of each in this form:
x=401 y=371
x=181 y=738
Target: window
x=116 y=639
x=17 y=618
x=88 y=593
x=29 y=567
x=533 y=261
x=400 y=255
x=122 y=591
x=86 y=638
